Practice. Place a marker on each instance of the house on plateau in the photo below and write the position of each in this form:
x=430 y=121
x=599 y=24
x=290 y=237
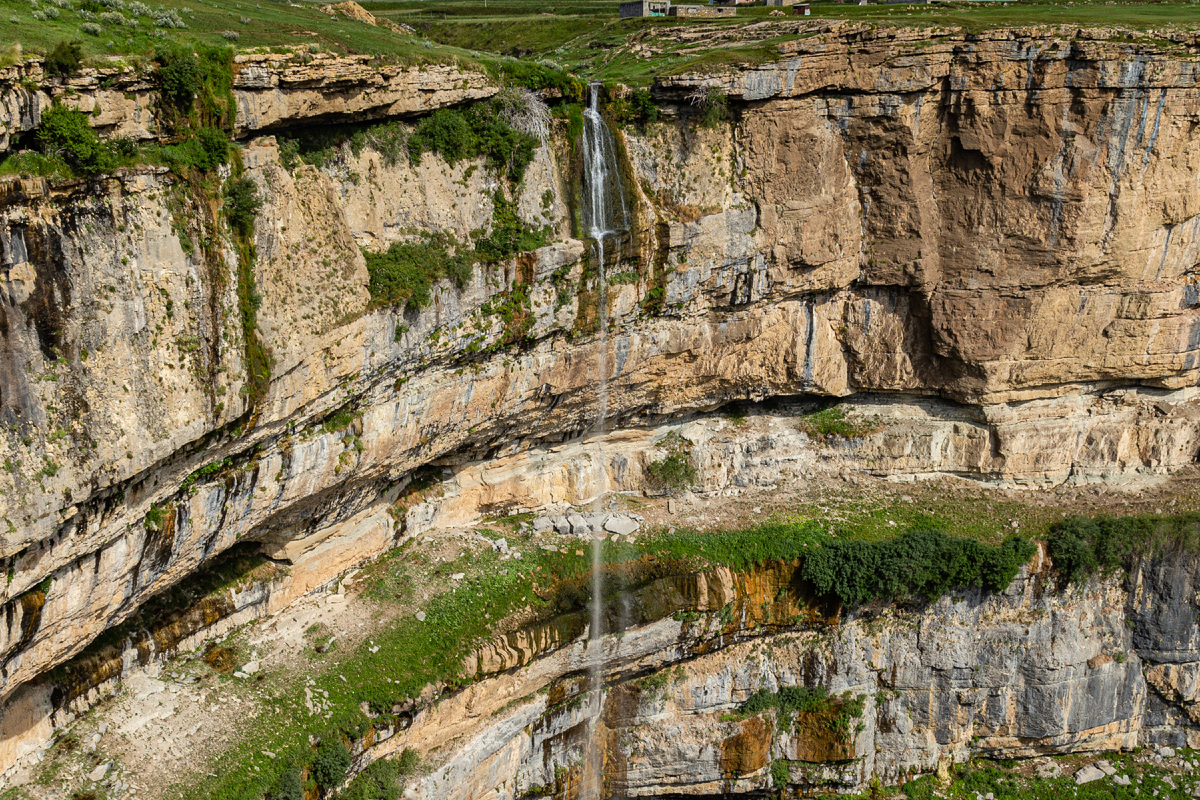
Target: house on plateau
x=645 y=8
x=701 y=11
x=664 y=8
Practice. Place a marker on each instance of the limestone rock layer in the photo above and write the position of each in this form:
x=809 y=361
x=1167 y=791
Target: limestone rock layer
x=994 y=236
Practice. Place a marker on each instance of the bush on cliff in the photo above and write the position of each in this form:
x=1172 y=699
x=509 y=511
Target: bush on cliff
x=921 y=565
x=196 y=85
x=476 y=131
x=675 y=469
x=289 y=787
x=509 y=235
x=406 y=271
x=1082 y=546
x=64 y=60
x=65 y=133
x=331 y=762
x=242 y=204
x=383 y=779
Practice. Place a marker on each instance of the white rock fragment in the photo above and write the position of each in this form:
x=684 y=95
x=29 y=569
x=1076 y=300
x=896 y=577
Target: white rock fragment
x=420 y=616
x=99 y=772
x=621 y=525
x=1087 y=774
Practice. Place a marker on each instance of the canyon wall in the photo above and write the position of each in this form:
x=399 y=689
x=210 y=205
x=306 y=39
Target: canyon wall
x=1027 y=672
x=994 y=237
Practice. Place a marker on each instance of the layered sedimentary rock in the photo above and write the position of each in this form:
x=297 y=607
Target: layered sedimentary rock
x=1026 y=672
x=1001 y=225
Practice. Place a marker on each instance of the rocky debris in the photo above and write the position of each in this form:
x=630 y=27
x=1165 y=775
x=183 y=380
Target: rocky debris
x=99 y=772
x=621 y=525
x=589 y=525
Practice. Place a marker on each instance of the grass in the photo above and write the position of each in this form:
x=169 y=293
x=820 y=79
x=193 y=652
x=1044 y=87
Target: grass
x=985 y=519
x=414 y=654
x=835 y=422
x=587 y=37
x=1006 y=781
x=517 y=41
x=278 y=25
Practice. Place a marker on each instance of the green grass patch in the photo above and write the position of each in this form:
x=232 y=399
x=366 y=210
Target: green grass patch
x=406 y=271
x=834 y=421
x=414 y=654
x=675 y=469
x=1004 y=781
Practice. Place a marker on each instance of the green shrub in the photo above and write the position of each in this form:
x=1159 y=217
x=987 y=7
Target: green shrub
x=409 y=762
x=154 y=518
x=331 y=762
x=212 y=148
x=713 y=108
x=779 y=774
x=196 y=85
x=834 y=421
x=65 y=133
x=445 y=132
x=1081 y=546
x=383 y=779
x=509 y=235
x=917 y=565
x=178 y=74
x=215 y=106
x=405 y=272
x=675 y=470
x=637 y=107
x=289 y=787
x=64 y=60
x=476 y=131
x=242 y=204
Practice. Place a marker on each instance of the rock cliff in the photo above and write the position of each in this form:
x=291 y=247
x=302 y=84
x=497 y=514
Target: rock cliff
x=992 y=240
x=1022 y=674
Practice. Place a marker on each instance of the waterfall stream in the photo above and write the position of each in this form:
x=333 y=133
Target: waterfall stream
x=604 y=216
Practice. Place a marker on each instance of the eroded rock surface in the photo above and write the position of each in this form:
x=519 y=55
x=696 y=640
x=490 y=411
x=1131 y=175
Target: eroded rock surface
x=991 y=241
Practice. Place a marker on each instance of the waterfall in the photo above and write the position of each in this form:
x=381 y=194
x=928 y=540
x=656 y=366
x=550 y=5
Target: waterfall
x=604 y=216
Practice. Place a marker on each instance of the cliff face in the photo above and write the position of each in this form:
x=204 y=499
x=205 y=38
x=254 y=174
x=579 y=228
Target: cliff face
x=1002 y=228
x=1025 y=673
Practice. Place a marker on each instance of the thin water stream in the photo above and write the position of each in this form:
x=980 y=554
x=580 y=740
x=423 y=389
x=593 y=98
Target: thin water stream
x=605 y=216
